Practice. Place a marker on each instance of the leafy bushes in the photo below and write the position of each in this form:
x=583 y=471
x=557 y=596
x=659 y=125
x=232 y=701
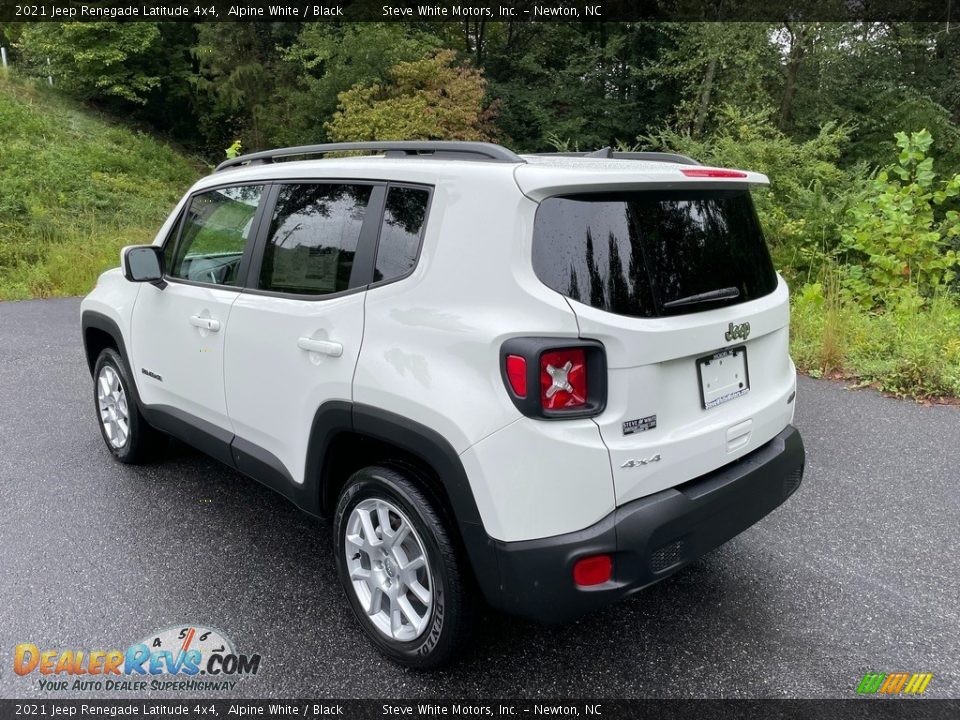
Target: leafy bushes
x=883 y=311
x=900 y=233
x=910 y=349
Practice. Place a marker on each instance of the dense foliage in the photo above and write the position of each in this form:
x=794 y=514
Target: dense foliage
x=429 y=99
x=856 y=125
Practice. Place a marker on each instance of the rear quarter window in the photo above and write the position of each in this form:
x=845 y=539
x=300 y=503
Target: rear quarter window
x=401 y=232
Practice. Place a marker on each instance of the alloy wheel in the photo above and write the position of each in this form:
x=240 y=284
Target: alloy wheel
x=389 y=569
x=112 y=401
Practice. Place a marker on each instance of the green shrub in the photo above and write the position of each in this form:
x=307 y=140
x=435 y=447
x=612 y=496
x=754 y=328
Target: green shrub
x=899 y=235
x=910 y=349
x=808 y=194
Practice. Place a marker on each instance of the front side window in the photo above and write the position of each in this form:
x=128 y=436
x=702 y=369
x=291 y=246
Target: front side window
x=400 y=233
x=313 y=238
x=216 y=228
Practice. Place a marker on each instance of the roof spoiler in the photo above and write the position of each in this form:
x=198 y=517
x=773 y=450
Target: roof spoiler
x=610 y=154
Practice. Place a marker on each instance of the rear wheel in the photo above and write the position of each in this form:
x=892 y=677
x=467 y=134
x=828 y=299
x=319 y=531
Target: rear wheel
x=126 y=434
x=399 y=568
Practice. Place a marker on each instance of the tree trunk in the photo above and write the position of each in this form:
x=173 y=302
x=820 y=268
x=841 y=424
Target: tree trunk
x=703 y=105
x=481 y=27
x=798 y=50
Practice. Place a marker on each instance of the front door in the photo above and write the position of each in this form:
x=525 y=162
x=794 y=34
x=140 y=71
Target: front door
x=178 y=331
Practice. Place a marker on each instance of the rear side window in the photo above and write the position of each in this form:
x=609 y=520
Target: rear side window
x=647 y=254
x=313 y=238
x=400 y=234
x=216 y=228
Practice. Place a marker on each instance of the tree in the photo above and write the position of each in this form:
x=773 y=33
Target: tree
x=95 y=60
x=236 y=84
x=427 y=99
x=717 y=65
x=580 y=82
x=326 y=59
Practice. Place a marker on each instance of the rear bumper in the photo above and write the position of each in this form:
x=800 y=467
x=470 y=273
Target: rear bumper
x=650 y=538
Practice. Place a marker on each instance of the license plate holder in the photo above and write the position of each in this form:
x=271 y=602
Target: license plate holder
x=724 y=376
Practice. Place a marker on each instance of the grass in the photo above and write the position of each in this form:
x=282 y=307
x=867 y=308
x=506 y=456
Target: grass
x=74 y=189
x=911 y=349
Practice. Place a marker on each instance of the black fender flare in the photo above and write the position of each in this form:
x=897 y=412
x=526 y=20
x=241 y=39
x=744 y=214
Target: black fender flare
x=99 y=321
x=429 y=446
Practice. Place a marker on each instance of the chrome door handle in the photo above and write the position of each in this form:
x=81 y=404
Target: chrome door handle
x=205 y=323
x=326 y=347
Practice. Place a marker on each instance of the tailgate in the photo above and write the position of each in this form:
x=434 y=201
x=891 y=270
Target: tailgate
x=679 y=287
x=656 y=425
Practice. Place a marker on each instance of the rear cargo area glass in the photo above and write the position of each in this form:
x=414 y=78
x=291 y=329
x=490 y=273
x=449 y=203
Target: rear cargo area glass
x=633 y=253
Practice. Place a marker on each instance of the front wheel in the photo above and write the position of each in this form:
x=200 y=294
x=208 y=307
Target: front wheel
x=126 y=434
x=400 y=569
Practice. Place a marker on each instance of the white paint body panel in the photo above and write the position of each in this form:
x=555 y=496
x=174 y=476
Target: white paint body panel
x=653 y=371
x=273 y=387
x=113 y=297
x=536 y=479
x=189 y=359
x=427 y=348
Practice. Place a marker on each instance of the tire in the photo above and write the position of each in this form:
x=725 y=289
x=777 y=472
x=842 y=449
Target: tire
x=126 y=434
x=364 y=568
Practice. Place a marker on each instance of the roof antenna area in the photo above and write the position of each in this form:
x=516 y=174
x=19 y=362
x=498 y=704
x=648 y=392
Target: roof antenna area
x=604 y=152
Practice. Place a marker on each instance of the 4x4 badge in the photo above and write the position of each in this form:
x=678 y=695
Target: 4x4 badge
x=737 y=332
x=641 y=461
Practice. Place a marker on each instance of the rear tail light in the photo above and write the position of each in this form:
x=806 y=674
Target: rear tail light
x=563 y=379
x=517 y=374
x=710 y=173
x=549 y=378
x=593 y=570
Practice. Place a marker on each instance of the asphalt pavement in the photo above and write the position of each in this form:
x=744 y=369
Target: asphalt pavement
x=858 y=572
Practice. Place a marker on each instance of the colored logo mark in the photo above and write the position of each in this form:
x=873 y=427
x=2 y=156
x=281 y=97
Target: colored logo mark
x=894 y=683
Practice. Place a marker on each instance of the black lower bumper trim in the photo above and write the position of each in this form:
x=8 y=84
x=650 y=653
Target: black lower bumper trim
x=649 y=538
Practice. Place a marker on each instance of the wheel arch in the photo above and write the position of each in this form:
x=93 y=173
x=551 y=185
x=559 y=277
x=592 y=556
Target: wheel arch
x=346 y=436
x=100 y=332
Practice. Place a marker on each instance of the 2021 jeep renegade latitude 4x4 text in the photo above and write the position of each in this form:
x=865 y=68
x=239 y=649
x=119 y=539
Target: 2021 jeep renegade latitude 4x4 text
x=545 y=382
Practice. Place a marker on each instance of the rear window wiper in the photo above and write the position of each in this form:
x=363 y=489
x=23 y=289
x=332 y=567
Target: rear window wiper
x=727 y=293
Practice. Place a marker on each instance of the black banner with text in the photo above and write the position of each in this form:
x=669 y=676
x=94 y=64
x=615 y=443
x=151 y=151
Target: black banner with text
x=479 y=10
x=362 y=709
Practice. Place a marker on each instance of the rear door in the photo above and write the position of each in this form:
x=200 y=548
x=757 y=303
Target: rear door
x=295 y=332
x=679 y=287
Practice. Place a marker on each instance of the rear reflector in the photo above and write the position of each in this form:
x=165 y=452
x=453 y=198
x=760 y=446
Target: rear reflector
x=563 y=379
x=593 y=570
x=707 y=173
x=517 y=374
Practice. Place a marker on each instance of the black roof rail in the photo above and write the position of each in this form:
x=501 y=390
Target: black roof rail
x=608 y=153
x=447 y=149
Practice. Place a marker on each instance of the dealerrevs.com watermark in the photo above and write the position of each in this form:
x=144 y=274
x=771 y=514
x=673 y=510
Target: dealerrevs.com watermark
x=178 y=658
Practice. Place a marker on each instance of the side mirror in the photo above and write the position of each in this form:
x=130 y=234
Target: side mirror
x=143 y=263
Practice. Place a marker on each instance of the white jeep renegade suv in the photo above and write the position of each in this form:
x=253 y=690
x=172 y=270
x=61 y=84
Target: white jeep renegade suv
x=549 y=381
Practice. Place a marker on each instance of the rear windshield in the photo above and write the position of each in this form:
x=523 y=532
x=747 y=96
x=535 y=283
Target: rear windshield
x=651 y=253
